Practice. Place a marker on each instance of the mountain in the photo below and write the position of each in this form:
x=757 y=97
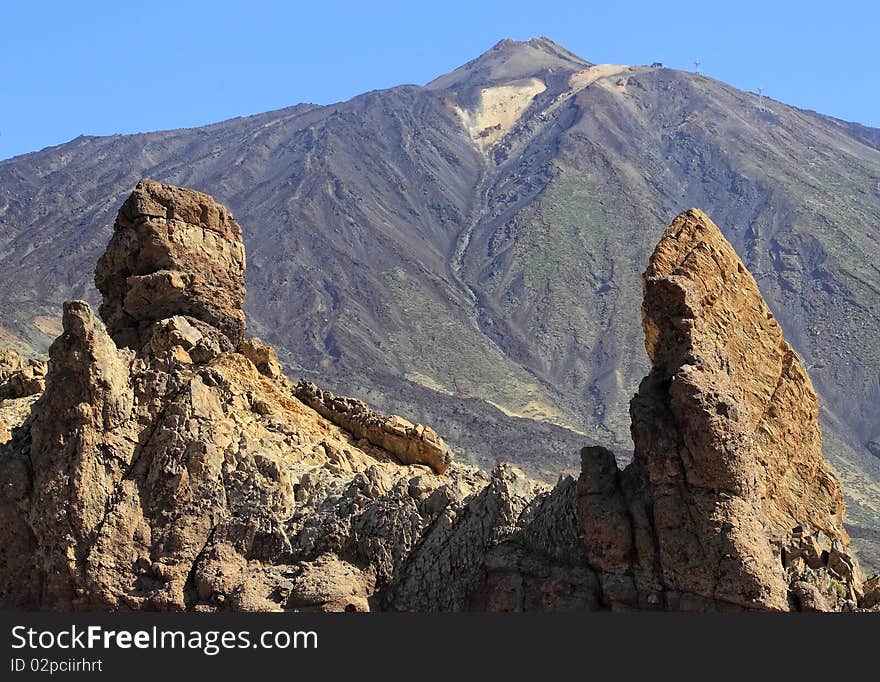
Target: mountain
x=194 y=476
x=468 y=253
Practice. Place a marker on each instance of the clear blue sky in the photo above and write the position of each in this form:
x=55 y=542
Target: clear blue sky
x=98 y=68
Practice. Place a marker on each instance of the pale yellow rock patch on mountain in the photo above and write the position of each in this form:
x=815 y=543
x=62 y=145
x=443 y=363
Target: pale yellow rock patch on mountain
x=582 y=79
x=48 y=324
x=537 y=411
x=499 y=109
x=502 y=106
x=427 y=382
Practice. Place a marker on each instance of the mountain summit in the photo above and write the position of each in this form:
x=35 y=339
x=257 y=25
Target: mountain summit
x=510 y=60
x=469 y=253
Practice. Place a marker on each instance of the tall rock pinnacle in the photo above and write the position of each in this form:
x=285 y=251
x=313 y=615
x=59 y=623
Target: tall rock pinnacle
x=173 y=252
x=728 y=483
x=168 y=463
x=727 y=505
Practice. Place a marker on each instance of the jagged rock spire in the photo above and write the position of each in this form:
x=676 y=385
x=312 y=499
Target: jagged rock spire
x=727 y=505
x=708 y=329
x=169 y=465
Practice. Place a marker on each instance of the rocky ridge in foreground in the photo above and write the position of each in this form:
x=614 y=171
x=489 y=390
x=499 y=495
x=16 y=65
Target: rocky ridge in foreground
x=170 y=465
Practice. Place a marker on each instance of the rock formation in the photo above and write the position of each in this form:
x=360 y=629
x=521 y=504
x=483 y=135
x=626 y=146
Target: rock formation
x=728 y=470
x=727 y=504
x=169 y=463
x=409 y=443
x=173 y=252
x=379 y=230
x=20 y=378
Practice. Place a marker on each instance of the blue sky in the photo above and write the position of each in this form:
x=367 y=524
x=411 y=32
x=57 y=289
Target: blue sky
x=98 y=68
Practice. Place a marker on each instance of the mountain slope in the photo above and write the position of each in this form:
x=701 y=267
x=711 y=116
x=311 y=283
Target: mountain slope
x=468 y=253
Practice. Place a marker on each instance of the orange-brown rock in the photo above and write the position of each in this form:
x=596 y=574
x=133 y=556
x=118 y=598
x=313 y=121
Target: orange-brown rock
x=871 y=598
x=264 y=357
x=19 y=391
x=173 y=252
x=728 y=462
x=409 y=443
x=727 y=505
x=20 y=378
x=21 y=381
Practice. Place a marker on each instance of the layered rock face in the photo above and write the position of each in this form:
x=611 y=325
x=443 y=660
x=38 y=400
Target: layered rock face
x=728 y=457
x=169 y=464
x=409 y=443
x=173 y=252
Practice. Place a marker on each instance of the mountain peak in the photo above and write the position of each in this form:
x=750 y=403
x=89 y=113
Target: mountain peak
x=510 y=60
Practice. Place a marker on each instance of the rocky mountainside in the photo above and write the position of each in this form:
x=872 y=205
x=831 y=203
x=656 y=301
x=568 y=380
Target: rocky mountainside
x=168 y=464
x=469 y=252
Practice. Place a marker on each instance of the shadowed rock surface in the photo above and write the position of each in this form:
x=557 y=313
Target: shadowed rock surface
x=168 y=471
